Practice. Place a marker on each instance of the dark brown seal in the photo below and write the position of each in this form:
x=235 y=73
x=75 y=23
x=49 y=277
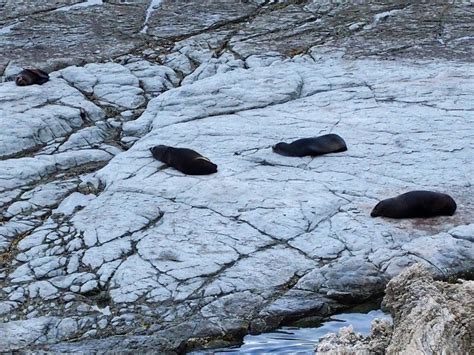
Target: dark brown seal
x=31 y=76
x=185 y=160
x=329 y=143
x=416 y=204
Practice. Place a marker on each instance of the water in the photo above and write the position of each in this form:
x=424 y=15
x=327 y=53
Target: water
x=300 y=340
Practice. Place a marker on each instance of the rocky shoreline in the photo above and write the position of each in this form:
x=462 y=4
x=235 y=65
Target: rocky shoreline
x=102 y=248
x=429 y=317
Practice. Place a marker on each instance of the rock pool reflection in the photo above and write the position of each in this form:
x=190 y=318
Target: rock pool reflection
x=300 y=340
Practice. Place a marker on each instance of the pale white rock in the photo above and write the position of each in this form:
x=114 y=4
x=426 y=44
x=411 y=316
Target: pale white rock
x=42 y=289
x=65 y=328
x=265 y=270
x=179 y=62
x=107 y=222
x=73 y=263
x=238 y=90
x=381 y=17
x=74 y=244
x=36 y=116
x=102 y=323
x=19 y=207
x=80 y=78
x=12 y=69
x=67 y=281
x=49 y=194
x=96 y=256
x=463 y=232
x=25 y=332
x=110 y=83
x=89 y=137
x=266 y=233
x=46 y=265
x=23 y=171
x=89 y=286
x=72 y=202
x=21 y=273
x=36 y=127
x=154 y=78
x=199 y=253
x=133 y=278
x=81 y=5
x=17 y=295
x=105 y=311
x=106 y=271
x=263 y=60
x=223 y=64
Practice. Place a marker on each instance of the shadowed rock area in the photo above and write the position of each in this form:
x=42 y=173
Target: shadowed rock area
x=103 y=247
x=429 y=317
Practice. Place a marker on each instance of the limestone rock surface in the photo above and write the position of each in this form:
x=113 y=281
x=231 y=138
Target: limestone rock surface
x=104 y=245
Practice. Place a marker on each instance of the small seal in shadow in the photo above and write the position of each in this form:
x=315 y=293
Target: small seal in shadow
x=416 y=204
x=328 y=143
x=31 y=76
x=185 y=160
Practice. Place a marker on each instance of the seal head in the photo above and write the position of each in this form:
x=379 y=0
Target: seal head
x=31 y=76
x=159 y=152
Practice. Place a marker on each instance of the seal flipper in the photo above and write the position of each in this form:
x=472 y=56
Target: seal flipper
x=198 y=166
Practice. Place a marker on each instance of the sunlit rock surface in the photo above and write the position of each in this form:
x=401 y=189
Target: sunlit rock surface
x=100 y=241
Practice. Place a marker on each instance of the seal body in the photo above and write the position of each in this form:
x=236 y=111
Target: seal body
x=31 y=76
x=416 y=204
x=328 y=143
x=185 y=160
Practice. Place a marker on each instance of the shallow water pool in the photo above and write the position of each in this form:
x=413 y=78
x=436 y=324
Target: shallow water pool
x=300 y=340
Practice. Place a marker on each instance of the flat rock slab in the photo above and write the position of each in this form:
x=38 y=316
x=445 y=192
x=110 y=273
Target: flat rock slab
x=98 y=239
x=139 y=248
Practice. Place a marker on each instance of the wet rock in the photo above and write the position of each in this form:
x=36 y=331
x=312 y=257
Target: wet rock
x=429 y=317
x=347 y=342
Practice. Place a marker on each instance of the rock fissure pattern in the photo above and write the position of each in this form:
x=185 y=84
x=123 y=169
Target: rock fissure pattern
x=99 y=240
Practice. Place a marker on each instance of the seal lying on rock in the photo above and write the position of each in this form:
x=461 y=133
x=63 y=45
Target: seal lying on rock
x=185 y=160
x=415 y=204
x=31 y=76
x=329 y=143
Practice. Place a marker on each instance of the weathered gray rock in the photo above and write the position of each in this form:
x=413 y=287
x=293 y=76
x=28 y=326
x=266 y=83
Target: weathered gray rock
x=346 y=342
x=55 y=35
x=429 y=317
x=97 y=238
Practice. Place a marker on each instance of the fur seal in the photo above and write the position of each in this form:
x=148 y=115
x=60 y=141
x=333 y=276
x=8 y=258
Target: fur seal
x=416 y=204
x=185 y=160
x=328 y=143
x=31 y=76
